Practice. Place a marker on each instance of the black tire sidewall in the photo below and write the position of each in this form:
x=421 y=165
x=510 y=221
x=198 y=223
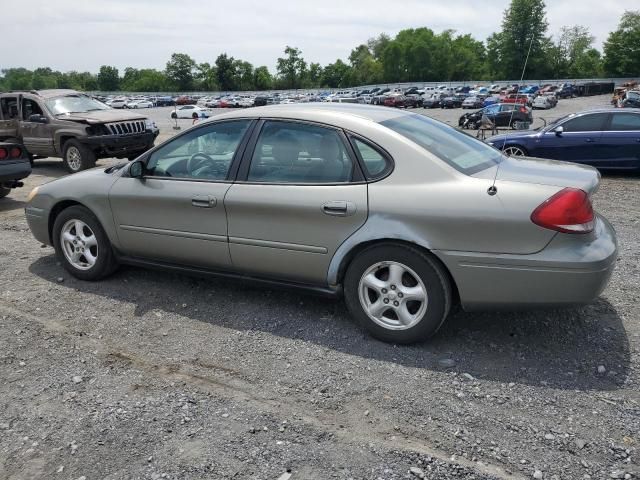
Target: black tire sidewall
x=4 y=192
x=105 y=263
x=87 y=157
x=432 y=274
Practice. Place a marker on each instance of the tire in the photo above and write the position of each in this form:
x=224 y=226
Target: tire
x=174 y=115
x=421 y=319
x=77 y=157
x=4 y=192
x=104 y=262
x=514 y=151
x=512 y=125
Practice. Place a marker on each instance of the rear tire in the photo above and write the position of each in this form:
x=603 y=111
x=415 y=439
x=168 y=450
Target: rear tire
x=4 y=192
x=77 y=157
x=399 y=294
x=81 y=244
x=515 y=151
x=174 y=115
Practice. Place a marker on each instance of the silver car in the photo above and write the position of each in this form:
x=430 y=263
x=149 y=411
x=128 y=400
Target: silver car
x=401 y=214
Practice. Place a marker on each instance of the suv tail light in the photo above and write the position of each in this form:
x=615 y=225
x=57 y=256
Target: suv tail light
x=3 y=153
x=568 y=211
x=15 y=152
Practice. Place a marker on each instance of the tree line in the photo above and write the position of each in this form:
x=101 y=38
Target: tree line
x=416 y=54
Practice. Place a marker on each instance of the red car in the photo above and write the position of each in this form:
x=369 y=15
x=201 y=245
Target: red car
x=185 y=100
x=401 y=101
x=516 y=98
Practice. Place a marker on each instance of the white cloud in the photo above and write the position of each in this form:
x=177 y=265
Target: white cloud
x=82 y=35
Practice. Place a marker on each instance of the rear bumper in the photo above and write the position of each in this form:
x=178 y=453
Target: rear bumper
x=14 y=170
x=571 y=270
x=121 y=144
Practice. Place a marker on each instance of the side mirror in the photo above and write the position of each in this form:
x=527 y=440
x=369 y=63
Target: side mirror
x=136 y=169
x=37 y=118
x=558 y=131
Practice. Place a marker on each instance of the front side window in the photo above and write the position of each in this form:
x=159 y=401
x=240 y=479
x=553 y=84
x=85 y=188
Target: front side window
x=204 y=154
x=30 y=107
x=593 y=122
x=624 y=122
x=461 y=151
x=289 y=152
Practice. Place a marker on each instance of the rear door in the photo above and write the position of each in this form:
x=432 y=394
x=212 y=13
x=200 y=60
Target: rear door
x=621 y=142
x=578 y=142
x=298 y=196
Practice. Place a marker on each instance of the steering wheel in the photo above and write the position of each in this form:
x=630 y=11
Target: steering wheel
x=201 y=162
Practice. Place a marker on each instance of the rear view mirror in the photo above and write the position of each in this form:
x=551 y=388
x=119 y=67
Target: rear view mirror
x=37 y=118
x=136 y=169
x=558 y=131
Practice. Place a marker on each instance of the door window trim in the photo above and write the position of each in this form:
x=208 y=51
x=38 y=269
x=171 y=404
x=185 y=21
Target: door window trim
x=606 y=123
x=357 y=178
x=384 y=153
x=235 y=161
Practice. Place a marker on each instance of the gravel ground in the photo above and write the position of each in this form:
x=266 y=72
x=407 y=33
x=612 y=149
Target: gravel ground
x=154 y=375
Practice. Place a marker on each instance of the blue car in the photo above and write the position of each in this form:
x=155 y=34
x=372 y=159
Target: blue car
x=607 y=139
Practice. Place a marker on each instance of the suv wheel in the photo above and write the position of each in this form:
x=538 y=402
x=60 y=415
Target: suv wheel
x=77 y=157
x=4 y=192
x=81 y=244
x=397 y=293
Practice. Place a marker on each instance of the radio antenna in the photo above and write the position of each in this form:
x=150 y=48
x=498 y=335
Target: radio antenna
x=492 y=189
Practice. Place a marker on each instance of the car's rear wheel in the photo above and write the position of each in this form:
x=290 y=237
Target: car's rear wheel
x=514 y=151
x=81 y=244
x=397 y=293
x=4 y=192
x=174 y=115
x=77 y=157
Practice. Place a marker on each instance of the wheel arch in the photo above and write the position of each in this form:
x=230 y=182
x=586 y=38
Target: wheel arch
x=341 y=264
x=56 y=210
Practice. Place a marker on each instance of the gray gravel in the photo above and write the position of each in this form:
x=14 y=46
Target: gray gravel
x=151 y=375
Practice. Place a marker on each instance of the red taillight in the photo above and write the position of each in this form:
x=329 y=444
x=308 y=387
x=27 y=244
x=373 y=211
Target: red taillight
x=15 y=152
x=3 y=153
x=523 y=110
x=568 y=211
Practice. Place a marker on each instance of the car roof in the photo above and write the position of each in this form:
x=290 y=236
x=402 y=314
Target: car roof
x=318 y=112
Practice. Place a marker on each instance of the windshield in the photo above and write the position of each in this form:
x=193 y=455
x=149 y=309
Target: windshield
x=74 y=104
x=463 y=152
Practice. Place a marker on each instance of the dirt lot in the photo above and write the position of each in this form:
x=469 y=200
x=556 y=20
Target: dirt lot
x=155 y=375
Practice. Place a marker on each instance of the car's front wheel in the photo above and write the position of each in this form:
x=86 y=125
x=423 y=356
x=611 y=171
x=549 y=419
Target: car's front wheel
x=398 y=293
x=77 y=157
x=514 y=151
x=81 y=244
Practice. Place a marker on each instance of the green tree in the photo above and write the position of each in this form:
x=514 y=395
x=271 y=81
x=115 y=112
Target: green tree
x=622 y=48
x=180 y=70
x=524 y=25
x=226 y=72
x=262 y=79
x=314 y=75
x=292 y=67
x=365 y=69
x=44 y=78
x=244 y=75
x=18 y=79
x=108 y=79
x=336 y=75
x=378 y=44
x=206 y=76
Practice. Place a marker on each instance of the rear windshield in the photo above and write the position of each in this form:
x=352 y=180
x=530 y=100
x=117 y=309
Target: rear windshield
x=461 y=151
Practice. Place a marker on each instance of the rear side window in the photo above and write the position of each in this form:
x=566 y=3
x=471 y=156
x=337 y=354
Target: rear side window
x=586 y=123
x=625 y=121
x=9 y=108
x=376 y=164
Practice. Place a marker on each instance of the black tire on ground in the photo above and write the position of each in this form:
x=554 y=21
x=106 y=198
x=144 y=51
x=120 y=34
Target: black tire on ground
x=428 y=269
x=105 y=263
x=174 y=115
x=512 y=125
x=77 y=157
x=4 y=192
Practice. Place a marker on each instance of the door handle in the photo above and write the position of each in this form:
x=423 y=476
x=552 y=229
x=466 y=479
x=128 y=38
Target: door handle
x=204 y=201
x=339 y=208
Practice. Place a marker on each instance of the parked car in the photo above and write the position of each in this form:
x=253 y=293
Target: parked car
x=165 y=102
x=118 y=103
x=401 y=214
x=464 y=89
x=433 y=101
x=566 y=91
x=472 y=102
x=606 y=139
x=454 y=101
x=500 y=114
x=402 y=101
x=140 y=104
x=189 y=111
x=542 y=102
x=490 y=101
x=73 y=126
x=14 y=166
x=495 y=88
x=520 y=98
x=632 y=99
x=185 y=100
x=552 y=98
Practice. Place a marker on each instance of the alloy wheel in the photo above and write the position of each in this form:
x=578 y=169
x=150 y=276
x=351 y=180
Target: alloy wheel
x=393 y=295
x=74 y=158
x=514 y=152
x=79 y=244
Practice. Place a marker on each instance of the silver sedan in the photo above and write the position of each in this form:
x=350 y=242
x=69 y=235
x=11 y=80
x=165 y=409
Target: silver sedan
x=401 y=214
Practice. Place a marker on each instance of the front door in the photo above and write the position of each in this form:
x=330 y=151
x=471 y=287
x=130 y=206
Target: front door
x=36 y=136
x=299 y=195
x=578 y=142
x=176 y=213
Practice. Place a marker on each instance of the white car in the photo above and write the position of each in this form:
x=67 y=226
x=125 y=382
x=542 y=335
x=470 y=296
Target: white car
x=140 y=104
x=119 y=103
x=188 y=111
x=542 y=101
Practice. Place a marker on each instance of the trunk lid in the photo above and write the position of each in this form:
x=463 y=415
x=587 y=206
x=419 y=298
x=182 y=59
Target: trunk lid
x=545 y=172
x=101 y=116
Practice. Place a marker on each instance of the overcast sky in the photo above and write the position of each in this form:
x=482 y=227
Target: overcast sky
x=84 y=34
